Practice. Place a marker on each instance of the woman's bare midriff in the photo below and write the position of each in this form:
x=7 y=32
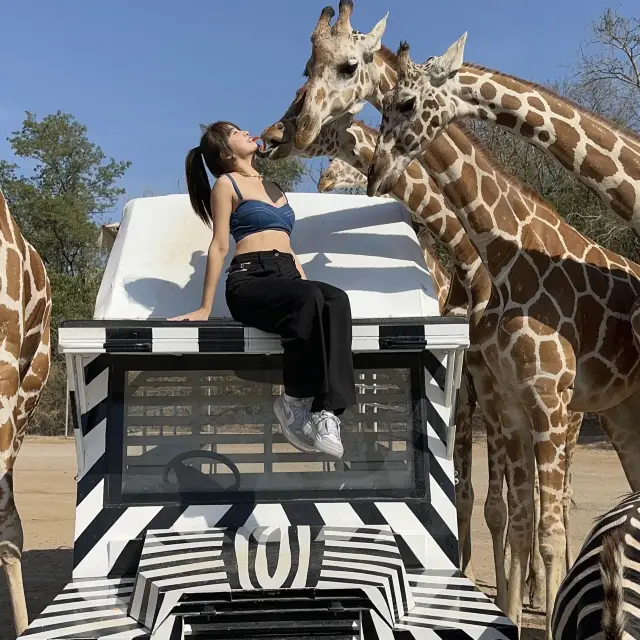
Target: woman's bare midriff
x=269 y=240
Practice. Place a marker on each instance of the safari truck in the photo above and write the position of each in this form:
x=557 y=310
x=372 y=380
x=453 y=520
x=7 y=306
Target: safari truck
x=195 y=518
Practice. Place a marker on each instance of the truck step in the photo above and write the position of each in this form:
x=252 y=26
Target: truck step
x=282 y=614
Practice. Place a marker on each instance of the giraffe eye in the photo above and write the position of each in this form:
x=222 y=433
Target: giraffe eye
x=407 y=106
x=349 y=68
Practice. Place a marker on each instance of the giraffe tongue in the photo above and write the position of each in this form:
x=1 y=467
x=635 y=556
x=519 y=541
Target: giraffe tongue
x=262 y=147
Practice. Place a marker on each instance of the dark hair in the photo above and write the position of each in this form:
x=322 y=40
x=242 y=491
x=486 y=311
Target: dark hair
x=214 y=152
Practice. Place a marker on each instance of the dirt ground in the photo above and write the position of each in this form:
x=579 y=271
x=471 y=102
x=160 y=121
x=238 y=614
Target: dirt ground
x=45 y=495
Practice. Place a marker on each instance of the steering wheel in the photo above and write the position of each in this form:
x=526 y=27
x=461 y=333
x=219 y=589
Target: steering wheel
x=191 y=479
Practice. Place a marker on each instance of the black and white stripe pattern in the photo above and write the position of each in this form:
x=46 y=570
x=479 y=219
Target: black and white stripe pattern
x=95 y=609
x=444 y=605
x=172 y=564
x=608 y=559
x=365 y=558
x=228 y=336
x=448 y=605
x=418 y=538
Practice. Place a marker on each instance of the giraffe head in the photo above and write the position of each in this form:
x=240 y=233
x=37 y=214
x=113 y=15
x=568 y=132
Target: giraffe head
x=340 y=175
x=280 y=136
x=414 y=112
x=340 y=72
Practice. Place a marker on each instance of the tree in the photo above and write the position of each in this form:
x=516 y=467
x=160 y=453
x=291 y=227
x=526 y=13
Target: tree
x=611 y=60
x=72 y=184
x=287 y=172
x=605 y=80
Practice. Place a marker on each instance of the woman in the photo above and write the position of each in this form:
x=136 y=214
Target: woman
x=267 y=288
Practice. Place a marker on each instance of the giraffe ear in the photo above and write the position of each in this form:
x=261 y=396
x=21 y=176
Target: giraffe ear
x=373 y=40
x=451 y=60
x=203 y=128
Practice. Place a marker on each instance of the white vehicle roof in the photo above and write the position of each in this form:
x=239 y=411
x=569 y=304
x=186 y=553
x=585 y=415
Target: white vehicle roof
x=363 y=245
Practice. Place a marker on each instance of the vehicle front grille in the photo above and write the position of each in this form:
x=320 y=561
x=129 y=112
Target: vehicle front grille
x=281 y=614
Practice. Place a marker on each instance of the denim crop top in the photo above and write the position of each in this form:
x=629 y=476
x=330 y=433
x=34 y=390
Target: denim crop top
x=252 y=216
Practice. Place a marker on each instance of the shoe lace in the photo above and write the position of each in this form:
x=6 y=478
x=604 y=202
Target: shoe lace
x=328 y=424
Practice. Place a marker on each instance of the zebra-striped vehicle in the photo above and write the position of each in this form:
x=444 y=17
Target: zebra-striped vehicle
x=196 y=518
x=600 y=595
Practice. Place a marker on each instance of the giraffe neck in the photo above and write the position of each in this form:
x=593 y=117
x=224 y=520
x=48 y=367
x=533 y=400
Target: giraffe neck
x=603 y=157
x=344 y=175
x=25 y=305
x=503 y=220
x=473 y=288
x=440 y=277
x=347 y=176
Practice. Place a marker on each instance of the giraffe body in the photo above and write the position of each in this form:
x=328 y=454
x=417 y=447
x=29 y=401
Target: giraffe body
x=25 y=358
x=557 y=332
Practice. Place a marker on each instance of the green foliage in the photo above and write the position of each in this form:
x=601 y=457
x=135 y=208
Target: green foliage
x=71 y=184
x=287 y=172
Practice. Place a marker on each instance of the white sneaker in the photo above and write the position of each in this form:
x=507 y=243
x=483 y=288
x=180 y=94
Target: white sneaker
x=327 y=436
x=295 y=423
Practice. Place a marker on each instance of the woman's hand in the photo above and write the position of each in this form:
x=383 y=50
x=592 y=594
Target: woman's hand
x=197 y=315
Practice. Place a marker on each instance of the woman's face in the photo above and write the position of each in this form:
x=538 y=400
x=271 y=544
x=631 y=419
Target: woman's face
x=241 y=143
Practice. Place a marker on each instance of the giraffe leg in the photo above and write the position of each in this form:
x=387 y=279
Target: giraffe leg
x=536 y=563
x=11 y=542
x=573 y=431
x=620 y=424
x=520 y=473
x=546 y=407
x=485 y=386
x=495 y=509
x=464 y=488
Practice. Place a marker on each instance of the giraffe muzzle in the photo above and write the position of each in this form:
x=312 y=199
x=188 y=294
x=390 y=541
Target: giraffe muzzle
x=379 y=181
x=306 y=131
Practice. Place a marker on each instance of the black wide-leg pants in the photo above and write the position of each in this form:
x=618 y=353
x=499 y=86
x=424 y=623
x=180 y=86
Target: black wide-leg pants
x=265 y=290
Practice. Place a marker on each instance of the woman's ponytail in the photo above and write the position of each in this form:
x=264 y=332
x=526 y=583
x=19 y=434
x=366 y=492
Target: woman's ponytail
x=198 y=185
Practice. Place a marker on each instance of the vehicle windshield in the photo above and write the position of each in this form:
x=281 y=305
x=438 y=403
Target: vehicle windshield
x=210 y=431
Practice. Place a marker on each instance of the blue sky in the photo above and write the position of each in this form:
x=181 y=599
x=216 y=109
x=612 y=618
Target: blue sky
x=142 y=75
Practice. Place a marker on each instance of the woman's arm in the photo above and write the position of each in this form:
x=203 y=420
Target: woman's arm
x=298 y=265
x=221 y=204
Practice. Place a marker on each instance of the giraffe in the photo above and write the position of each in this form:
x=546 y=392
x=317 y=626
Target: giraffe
x=346 y=67
x=467 y=261
x=602 y=155
x=25 y=358
x=557 y=335
x=341 y=175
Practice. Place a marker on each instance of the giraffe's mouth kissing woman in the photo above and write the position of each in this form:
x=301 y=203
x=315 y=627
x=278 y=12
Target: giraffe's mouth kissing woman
x=266 y=286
